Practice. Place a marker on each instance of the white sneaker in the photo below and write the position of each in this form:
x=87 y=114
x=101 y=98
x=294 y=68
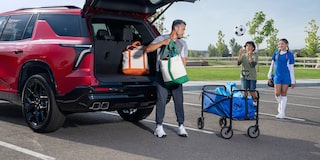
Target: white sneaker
x=280 y=116
x=159 y=132
x=182 y=131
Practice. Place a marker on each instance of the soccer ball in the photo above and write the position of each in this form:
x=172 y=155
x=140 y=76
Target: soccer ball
x=239 y=30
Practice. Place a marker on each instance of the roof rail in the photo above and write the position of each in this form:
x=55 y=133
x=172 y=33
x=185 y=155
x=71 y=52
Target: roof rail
x=48 y=7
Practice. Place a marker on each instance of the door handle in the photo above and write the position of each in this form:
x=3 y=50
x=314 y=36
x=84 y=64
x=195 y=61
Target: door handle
x=18 y=51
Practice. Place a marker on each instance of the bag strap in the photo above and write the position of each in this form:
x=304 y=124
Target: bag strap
x=174 y=46
x=165 y=50
x=135 y=44
x=169 y=47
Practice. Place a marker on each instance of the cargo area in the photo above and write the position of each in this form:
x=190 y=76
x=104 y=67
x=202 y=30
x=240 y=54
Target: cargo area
x=111 y=37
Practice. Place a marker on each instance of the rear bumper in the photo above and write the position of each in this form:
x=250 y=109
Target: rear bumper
x=85 y=99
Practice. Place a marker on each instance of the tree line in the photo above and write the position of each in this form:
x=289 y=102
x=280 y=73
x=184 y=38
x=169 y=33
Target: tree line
x=260 y=29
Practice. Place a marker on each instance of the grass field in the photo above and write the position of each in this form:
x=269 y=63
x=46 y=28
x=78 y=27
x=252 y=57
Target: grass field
x=233 y=73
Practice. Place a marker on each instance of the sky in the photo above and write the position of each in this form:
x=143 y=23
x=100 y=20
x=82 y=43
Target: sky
x=205 y=18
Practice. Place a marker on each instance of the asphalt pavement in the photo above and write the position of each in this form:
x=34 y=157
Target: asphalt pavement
x=260 y=83
x=105 y=135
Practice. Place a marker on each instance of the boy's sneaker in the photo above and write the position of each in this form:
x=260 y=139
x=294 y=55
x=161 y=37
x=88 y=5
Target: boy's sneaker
x=182 y=131
x=159 y=132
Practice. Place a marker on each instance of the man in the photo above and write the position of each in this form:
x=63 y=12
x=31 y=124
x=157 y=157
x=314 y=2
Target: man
x=177 y=32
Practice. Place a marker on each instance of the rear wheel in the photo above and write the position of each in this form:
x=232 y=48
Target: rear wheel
x=133 y=114
x=40 y=109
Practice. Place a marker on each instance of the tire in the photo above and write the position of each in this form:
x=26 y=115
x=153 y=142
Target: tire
x=223 y=122
x=39 y=106
x=200 y=122
x=253 y=131
x=134 y=115
x=226 y=132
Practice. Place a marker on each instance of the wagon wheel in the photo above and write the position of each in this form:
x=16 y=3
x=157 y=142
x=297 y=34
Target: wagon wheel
x=226 y=132
x=253 y=131
x=222 y=122
x=200 y=122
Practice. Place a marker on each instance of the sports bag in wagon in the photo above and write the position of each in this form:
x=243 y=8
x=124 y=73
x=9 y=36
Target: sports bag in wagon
x=223 y=99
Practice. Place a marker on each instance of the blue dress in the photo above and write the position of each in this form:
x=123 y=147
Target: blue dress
x=282 y=73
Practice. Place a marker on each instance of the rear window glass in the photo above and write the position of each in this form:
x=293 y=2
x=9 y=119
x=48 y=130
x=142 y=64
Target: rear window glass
x=66 y=24
x=29 y=29
x=118 y=30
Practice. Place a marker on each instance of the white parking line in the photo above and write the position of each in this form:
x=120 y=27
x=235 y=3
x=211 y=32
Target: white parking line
x=296 y=95
x=204 y=131
x=174 y=125
x=294 y=104
x=167 y=124
x=26 y=151
x=291 y=118
x=261 y=113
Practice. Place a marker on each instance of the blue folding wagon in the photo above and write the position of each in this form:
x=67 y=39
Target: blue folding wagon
x=228 y=102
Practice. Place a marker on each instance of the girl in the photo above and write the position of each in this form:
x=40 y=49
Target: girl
x=283 y=66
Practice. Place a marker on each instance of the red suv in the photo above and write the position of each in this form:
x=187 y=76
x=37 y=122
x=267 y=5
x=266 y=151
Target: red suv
x=60 y=60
